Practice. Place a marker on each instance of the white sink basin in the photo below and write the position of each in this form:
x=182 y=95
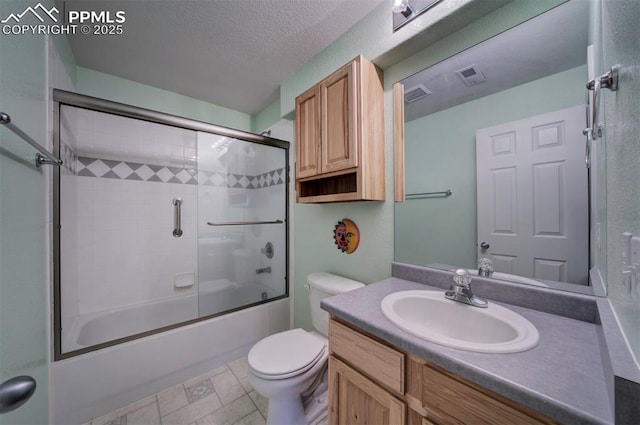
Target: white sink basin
x=429 y=315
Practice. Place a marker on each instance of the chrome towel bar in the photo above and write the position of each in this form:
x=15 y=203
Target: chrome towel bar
x=244 y=223
x=444 y=193
x=43 y=157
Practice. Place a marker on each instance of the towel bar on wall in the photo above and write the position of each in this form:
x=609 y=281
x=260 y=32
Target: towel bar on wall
x=244 y=223
x=444 y=193
x=43 y=157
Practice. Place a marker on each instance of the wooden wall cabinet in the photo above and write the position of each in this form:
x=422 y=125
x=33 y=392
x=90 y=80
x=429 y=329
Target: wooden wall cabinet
x=340 y=136
x=371 y=382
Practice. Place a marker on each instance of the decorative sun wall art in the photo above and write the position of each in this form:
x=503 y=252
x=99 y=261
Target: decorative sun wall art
x=346 y=236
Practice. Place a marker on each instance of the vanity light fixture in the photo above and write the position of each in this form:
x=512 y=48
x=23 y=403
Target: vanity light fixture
x=402 y=6
x=404 y=11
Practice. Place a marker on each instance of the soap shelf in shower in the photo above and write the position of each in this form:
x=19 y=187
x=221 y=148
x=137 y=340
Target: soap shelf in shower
x=244 y=223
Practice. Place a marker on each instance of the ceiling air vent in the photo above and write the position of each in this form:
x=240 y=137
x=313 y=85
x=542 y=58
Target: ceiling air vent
x=471 y=75
x=415 y=93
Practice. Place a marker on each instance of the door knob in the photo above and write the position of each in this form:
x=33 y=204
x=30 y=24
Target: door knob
x=15 y=392
x=484 y=245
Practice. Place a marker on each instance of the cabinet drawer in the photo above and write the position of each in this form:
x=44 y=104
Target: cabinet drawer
x=382 y=363
x=454 y=402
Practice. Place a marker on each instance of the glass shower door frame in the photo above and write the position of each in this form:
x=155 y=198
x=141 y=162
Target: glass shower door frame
x=61 y=98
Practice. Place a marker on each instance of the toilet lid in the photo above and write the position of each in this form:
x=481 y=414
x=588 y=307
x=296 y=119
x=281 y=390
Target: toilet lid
x=286 y=353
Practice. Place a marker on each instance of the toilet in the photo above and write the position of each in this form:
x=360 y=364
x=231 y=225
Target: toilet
x=288 y=368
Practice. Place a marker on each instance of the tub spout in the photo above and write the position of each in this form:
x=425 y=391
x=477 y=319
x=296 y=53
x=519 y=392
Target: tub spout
x=264 y=270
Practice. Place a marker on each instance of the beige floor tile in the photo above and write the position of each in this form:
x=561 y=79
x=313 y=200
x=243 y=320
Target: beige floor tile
x=255 y=418
x=230 y=382
x=206 y=375
x=193 y=411
x=230 y=413
x=246 y=384
x=148 y=415
x=239 y=367
x=172 y=399
x=200 y=390
x=227 y=387
x=260 y=401
x=124 y=410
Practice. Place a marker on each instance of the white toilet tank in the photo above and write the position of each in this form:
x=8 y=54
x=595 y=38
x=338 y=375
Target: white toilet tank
x=323 y=285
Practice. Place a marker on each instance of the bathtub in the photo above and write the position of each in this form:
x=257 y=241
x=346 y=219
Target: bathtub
x=214 y=297
x=92 y=384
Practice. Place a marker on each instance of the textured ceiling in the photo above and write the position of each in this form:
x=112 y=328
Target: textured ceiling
x=233 y=53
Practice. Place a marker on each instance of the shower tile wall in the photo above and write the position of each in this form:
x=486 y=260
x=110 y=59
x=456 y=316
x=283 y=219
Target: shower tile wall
x=117 y=217
x=117 y=213
x=269 y=203
x=240 y=181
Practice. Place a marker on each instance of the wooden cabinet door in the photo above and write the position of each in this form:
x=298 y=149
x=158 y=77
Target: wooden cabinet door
x=356 y=400
x=449 y=401
x=339 y=119
x=308 y=138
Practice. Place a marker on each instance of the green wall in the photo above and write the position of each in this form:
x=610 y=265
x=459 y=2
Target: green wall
x=440 y=153
x=106 y=86
x=400 y=54
x=24 y=302
x=266 y=118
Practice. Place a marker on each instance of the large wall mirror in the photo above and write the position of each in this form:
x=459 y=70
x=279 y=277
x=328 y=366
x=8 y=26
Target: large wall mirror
x=495 y=157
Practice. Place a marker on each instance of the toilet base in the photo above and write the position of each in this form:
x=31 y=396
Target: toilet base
x=292 y=412
x=286 y=411
x=316 y=410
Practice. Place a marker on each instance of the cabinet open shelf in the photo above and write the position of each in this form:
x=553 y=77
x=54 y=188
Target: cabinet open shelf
x=340 y=137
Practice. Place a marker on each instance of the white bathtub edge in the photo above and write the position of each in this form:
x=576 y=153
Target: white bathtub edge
x=88 y=386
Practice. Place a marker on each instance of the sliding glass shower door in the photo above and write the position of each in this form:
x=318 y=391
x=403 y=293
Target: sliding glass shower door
x=161 y=225
x=241 y=226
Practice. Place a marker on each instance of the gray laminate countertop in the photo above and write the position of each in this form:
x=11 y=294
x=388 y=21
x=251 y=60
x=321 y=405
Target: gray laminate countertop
x=562 y=377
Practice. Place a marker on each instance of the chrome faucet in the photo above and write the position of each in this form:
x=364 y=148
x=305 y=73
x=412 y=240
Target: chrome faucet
x=485 y=269
x=461 y=290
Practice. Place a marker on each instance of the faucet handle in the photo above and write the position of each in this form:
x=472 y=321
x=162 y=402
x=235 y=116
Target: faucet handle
x=484 y=262
x=462 y=278
x=485 y=269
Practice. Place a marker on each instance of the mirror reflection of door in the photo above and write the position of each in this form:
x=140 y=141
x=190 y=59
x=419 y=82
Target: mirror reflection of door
x=532 y=193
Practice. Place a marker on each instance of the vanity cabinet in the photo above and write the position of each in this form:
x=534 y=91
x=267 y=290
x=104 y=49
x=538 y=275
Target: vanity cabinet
x=370 y=393
x=372 y=382
x=340 y=136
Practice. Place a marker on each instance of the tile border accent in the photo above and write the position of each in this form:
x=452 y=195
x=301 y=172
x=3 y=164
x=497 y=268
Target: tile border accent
x=69 y=159
x=136 y=171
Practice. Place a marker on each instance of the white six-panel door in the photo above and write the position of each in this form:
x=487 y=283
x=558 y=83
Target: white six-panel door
x=533 y=196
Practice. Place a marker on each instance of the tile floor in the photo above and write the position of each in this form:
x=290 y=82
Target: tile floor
x=220 y=396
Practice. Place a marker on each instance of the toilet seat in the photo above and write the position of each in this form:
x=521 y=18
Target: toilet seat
x=286 y=354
